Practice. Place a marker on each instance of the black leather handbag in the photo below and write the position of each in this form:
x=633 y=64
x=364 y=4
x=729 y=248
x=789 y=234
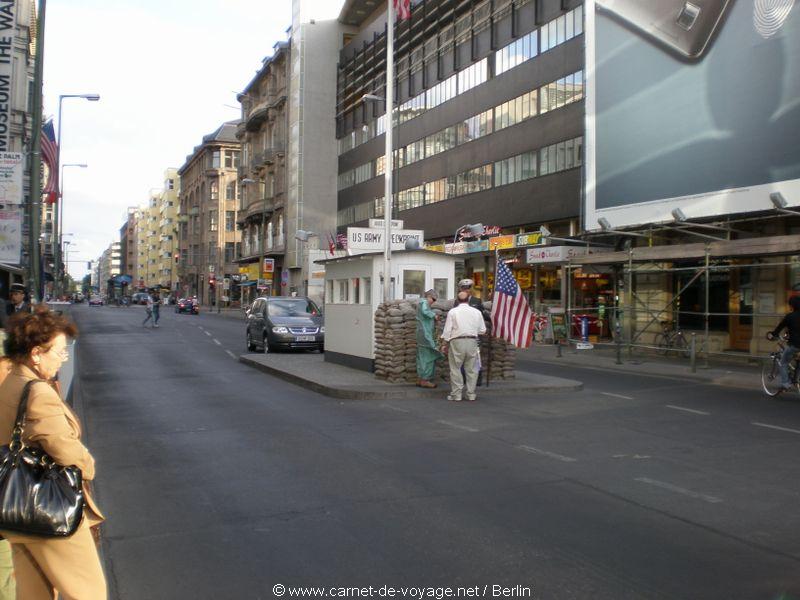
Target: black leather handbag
x=37 y=496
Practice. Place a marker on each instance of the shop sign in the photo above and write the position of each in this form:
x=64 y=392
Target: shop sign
x=529 y=239
x=524 y=278
x=249 y=272
x=554 y=254
x=263 y=284
x=372 y=240
x=12 y=164
x=477 y=246
x=501 y=242
x=268 y=267
x=435 y=247
x=457 y=248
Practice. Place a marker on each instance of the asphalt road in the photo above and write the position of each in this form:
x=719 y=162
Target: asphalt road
x=221 y=482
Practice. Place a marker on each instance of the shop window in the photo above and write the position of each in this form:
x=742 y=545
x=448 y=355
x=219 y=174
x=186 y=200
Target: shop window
x=691 y=304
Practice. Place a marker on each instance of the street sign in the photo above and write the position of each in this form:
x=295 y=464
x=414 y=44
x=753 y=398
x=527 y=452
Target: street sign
x=372 y=240
x=380 y=224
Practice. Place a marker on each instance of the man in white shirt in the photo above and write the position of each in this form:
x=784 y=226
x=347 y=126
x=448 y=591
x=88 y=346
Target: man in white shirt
x=461 y=330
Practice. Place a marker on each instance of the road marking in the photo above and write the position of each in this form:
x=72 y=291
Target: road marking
x=232 y=355
x=208 y=333
x=690 y=410
x=560 y=457
x=402 y=410
x=457 y=426
x=775 y=427
x=217 y=342
x=616 y=395
x=679 y=490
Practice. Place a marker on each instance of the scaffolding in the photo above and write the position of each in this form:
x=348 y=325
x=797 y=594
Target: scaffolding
x=632 y=316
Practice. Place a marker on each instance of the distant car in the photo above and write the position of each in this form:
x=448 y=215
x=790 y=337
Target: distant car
x=140 y=298
x=95 y=301
x=187 y=305
x=279 y=322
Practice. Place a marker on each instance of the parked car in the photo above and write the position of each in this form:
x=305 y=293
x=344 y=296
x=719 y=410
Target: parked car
x=140 y=298
x=187 y=305
x=279 y=322
x=95 y=301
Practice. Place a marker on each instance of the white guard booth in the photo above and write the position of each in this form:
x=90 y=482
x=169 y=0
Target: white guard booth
x=353 y=291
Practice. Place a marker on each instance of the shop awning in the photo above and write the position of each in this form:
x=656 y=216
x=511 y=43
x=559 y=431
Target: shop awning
x=245 y=283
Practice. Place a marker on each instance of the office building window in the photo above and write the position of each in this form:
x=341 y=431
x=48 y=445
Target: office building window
x=230 y=220
x=230 y=251
x=212 y=220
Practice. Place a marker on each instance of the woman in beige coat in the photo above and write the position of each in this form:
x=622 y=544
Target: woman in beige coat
x=36 y=344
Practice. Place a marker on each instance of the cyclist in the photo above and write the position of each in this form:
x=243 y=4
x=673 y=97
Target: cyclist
x=791 y=322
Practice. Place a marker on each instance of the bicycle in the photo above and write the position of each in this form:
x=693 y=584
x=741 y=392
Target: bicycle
x=771 y=370
x=671 y=339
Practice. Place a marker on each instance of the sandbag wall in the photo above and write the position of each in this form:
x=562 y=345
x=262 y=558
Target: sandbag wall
x=396 y=344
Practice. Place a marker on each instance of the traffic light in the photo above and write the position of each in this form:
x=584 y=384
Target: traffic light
x=177 y=257
x=212 y=282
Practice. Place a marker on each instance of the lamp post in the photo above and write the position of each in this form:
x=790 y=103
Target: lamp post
x=56 y=219
x=58 y=281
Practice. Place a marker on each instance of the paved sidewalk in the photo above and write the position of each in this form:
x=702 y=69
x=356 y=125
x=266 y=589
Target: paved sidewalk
x=312 y=372
x=734 y=373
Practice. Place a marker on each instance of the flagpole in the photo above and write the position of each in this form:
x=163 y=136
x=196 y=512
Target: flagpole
x=387 y=169
x=35 y=195
x=491 y=325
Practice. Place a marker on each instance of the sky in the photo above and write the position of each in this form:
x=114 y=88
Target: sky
x=164 y=70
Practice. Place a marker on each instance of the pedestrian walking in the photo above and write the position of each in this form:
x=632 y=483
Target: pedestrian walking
x=148 y=310
x=156 y=308
x=791 y=322
x=427 y=352
x=36 y=344
x=461 y=330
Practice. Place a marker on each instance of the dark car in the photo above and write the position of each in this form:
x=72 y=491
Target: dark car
x=187 y=305
x=285 y=323
x=139 y=298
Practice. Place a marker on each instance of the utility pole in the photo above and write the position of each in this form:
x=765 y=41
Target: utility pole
x=35 y=199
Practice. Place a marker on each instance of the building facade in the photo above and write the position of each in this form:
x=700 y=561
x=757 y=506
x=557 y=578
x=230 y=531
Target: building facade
x=108 y=267
x=263 y=177
x=207 y=232
x=167 y=243
x=128 y=246
x=488 y=127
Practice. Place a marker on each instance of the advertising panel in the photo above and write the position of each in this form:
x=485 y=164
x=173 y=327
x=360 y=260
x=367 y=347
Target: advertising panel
x=10 y=236
x=372 y=240
x=690 y=106
x=11 y=166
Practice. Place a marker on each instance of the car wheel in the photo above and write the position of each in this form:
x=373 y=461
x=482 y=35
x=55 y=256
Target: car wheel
x=250 y=345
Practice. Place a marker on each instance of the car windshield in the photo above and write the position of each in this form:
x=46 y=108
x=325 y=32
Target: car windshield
x=292 y=307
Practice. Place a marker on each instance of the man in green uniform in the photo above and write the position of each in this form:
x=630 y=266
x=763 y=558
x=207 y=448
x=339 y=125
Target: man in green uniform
x=427 y=353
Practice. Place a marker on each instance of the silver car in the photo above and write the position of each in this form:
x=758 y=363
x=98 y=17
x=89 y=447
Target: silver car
x=280 y=322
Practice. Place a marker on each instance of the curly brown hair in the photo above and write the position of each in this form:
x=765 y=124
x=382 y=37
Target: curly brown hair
x=25 y=331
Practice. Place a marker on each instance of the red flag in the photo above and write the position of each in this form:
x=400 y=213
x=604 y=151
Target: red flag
x=403 y=9
x=511 y=315
x=50 y=158
x=331 y=244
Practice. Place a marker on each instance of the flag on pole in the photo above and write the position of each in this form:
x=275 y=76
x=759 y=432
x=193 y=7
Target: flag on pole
x=331 y=244
x=50 y=158
x=403 y=9
x=511 y=315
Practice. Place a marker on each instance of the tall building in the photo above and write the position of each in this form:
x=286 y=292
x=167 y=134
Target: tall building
x=128 y=246
x=108 y=266
x=207 y=234
x=262 y=182
x=17 y=118
x=317 y=35
x=167 y=231
x=489 y=121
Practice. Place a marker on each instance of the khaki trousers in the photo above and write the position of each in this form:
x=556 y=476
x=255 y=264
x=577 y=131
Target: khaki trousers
x=463 y=351
x=67 y=566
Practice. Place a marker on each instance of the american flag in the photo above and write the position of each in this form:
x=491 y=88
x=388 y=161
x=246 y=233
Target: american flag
x=511 y=315
x=403 y=9
x=50 y=158
x=341 y=241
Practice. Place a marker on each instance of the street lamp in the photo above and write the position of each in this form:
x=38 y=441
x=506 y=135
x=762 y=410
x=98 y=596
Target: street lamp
x=56 y=219
x=59 y=278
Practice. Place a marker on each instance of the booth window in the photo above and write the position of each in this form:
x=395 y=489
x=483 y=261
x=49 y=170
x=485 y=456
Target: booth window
x=441 y=288
x=366 y=290
x=344 y=291
x=413 y=283
x=329 y=291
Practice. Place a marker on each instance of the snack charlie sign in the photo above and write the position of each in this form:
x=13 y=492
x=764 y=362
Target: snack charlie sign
x=372 y=240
